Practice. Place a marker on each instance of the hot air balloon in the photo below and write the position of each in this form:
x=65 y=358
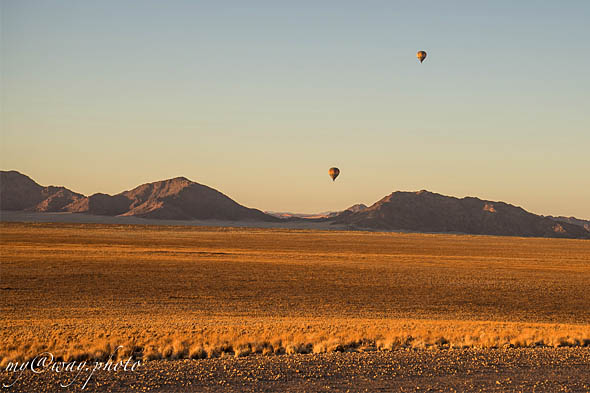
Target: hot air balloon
x=334 y=172
x=421 y=55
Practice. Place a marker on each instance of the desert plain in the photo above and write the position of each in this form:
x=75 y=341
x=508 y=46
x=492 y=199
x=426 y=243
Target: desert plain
x=263 y=309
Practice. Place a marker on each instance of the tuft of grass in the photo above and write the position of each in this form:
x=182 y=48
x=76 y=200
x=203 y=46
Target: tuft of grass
x=226 y=337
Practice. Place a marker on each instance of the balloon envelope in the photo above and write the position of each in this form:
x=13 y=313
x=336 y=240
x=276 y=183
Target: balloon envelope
x=421 y=55
x=334 y=172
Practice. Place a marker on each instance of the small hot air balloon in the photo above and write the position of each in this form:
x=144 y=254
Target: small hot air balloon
x=421 y=55
x=334 y=172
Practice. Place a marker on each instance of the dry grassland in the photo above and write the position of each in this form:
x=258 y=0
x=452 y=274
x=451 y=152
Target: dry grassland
x=80 y=290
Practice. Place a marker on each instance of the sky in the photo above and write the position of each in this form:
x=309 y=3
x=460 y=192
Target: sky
x=259 y=99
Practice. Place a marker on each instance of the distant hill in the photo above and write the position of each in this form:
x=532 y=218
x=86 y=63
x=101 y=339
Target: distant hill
x=20 y=192
x=303 y=216
x=572 y=220
x=425 y=211
x=315 y=216
x=357 y=208
x=173 y=199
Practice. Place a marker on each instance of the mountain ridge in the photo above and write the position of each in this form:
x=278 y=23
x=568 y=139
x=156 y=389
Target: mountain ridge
x=425 y=211
x=179 y=198
x=20 y=192
x=175 y=199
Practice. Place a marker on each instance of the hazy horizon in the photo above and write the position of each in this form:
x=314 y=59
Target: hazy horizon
x=258 y=101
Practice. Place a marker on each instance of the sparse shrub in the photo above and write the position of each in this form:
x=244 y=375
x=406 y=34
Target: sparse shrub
x=197 y=352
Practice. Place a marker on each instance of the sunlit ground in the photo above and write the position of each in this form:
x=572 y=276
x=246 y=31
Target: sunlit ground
x=190 y=292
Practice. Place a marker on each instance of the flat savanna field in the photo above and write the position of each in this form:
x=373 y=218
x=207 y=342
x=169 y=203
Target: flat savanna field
x=167 y=293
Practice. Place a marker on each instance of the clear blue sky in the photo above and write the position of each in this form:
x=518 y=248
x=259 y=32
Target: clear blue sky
x=258 y=99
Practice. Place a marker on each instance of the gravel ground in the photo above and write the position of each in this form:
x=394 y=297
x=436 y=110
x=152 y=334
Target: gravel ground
x=509 y=370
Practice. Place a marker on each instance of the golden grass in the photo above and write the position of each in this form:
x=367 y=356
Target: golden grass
x=80 y=290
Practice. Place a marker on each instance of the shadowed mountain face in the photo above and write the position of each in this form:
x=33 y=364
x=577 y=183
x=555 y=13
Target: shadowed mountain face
x=425 y=211
x=20 y=192
x=572 y=220
x=173 y=199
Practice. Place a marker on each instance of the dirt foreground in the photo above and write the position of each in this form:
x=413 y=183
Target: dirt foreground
x=508 y=370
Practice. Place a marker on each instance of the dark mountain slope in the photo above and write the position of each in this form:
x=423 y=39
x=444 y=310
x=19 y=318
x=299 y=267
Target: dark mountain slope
x=425 y=211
